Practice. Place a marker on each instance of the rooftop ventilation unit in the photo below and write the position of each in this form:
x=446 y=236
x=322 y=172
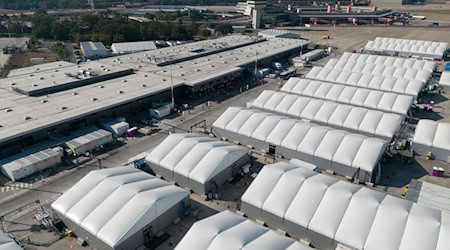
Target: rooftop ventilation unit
x=27 y=118
x=9 y=110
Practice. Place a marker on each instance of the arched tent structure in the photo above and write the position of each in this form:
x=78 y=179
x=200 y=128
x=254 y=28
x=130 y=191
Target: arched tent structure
x=120 y=208
x=364 y=80
x=341 y=116
x=329 y=212
x=197 y=162
x=434 y=137
x=410 y=63
x=380 y=70
x=229 y=231
x=345 y=153
x=355 y=96
x=7 y=243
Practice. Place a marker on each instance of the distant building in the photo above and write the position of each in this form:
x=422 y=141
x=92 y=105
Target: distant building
x=132 y=47
x=272 y=33
x=93 y=50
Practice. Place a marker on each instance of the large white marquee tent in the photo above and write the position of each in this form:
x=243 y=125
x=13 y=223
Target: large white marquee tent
x=229 y=231
x=389 y=61
x=345 y=153
x=114 y=208
x=444 y=82
x=197 y=162
x=380 y=70
x=382 y=83
x=326 y=212
x=360 y=97
x=7 y=244
x=434 y=137
x=407 y=48
x=341 y=116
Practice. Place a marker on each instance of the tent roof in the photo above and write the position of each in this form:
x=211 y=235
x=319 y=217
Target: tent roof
x=133 y=46
x=427 y=48
x=194 y=156
x=382 y=70
x=434 y=134
x=372 y=122
x=306 y=137
x=230 y=231
x=389 y=61
x=356 y=216
x=115 y=203
x=355 y=96
x=7 y=244
x=364 y=80
x=445 y=79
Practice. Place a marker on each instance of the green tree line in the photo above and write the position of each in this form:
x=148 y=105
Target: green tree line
x=65 y=4
x=109 y=28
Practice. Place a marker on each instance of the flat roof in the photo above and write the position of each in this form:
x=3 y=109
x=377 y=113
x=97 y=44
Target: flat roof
x=40 y=68
x=47 y=111
x=60 y=78
x=27 y=114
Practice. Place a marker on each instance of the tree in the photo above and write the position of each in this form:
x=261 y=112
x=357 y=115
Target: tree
x=224 y=29
x=59 y=31
x=204 y=33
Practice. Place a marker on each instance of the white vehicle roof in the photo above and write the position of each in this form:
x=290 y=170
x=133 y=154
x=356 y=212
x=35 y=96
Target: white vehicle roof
x=115 y=203
x=364 y=80
x=357 y=119
x=229 y=231
x=352 y=215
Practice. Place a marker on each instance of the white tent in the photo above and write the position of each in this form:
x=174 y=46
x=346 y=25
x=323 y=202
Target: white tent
x=341 y=116
x=380 y=70
x=197 y=162
x=132 y=47
x=7 y=244
x=360 y=97
x=444 y=82
x=326 y=212
x=434 y=137
x=229 y=231
x=113 y=208
x=369 y=81
x=344 y=153
x=389 y=61
x=407 y=48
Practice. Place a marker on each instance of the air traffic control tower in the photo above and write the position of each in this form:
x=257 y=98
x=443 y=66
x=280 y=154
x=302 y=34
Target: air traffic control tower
x=257 y=7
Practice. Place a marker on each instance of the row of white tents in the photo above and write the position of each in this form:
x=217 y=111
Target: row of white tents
x=200 y=163
x=407 y=48
x=364 y=80
x=380 y=70
x=229 y=231
x=432 y=137
x=358 y=97
x=410 y=63
x=341 y=116
x=345 y=153
x=328 y=212
x=7 y=243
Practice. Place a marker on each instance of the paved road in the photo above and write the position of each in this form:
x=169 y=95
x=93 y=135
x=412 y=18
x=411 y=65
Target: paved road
x=70 y=52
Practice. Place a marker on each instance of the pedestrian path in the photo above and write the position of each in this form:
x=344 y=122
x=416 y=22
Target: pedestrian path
x=22 y=185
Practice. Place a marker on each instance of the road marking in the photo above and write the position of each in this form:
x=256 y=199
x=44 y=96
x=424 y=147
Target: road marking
x=21 y=185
